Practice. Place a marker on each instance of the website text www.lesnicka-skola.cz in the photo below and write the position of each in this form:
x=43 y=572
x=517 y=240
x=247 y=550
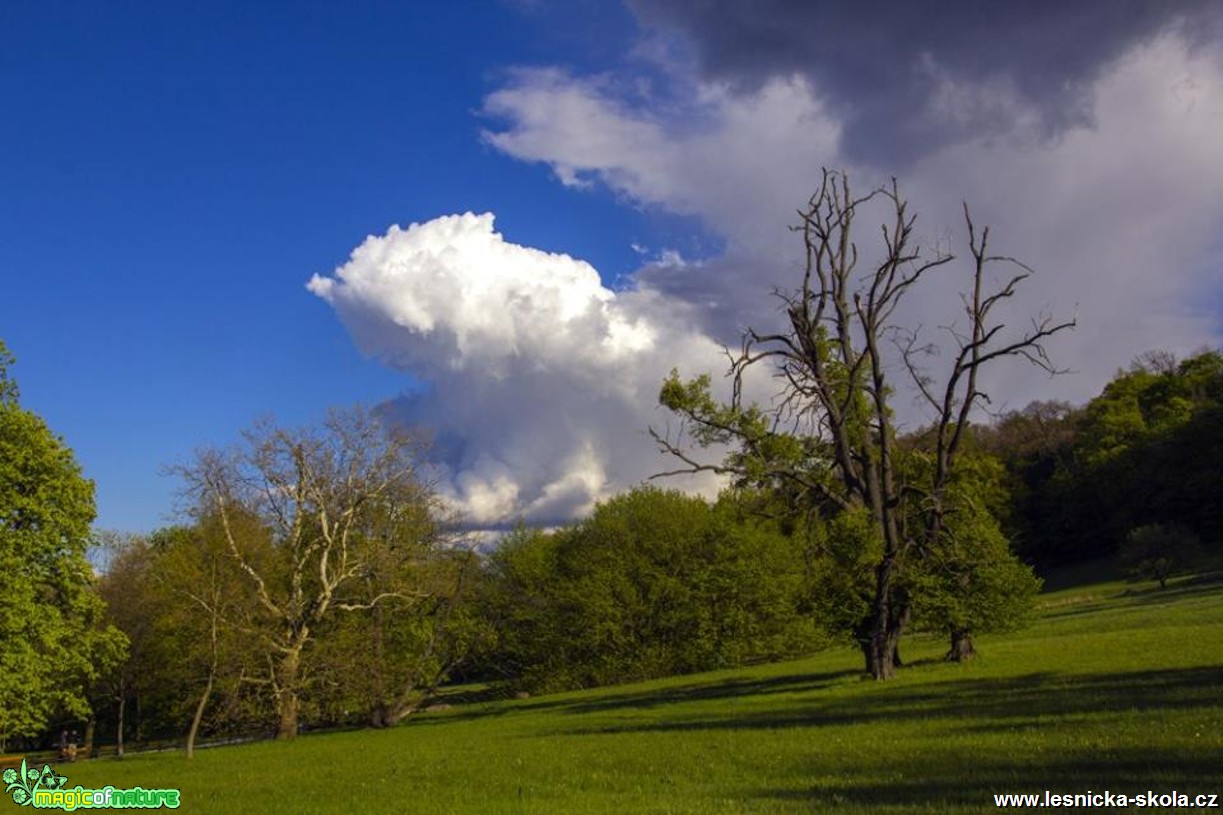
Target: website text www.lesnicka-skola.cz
x=1107 y=799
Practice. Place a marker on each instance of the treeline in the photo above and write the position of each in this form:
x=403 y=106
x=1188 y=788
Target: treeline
x=318 y=582
x=315 y=585
x=655 y=583
x=1148 y=451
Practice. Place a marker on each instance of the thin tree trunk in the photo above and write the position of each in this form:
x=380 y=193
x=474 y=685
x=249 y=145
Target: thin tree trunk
x=199 y=715
x=119 y=725
x=214 y=662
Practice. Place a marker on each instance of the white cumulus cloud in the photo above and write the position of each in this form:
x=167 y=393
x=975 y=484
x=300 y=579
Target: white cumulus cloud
x=540 y=381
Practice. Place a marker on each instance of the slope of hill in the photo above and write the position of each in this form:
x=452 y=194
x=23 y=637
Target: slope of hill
x=1114 y=687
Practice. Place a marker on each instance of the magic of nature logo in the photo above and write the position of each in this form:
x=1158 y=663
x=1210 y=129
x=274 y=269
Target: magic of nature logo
x=47 y=789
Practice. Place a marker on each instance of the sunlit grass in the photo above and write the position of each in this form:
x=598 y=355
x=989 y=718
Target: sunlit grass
x=1115 y=687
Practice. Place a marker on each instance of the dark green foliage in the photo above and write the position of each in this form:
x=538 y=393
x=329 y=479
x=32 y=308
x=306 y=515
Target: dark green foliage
x=1147 y=450
x=1157 y=552
x=1036 y=446
x=654 y=583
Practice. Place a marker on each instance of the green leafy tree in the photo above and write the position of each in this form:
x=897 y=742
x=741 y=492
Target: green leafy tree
x=53 y=644
x=379 y=665
x=1157 y=552
x=972 y=582
x=654 y=583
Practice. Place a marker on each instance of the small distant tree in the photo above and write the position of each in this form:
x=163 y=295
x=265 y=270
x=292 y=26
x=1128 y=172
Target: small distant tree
x=1157 y=552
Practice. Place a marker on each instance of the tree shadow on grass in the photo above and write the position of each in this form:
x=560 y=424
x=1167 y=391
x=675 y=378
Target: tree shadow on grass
x=646 y=699
x=976 y=704
x=947 y=779
x=706 y=691
x=1177 y=590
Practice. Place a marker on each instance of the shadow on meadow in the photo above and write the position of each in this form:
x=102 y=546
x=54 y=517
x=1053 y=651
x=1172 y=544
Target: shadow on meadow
x=1177 y=590
x=949 y=779
x=963 y=703
x=657 y=697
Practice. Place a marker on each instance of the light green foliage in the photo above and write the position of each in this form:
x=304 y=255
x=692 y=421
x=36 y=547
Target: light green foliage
x=1142 y=403
x=972 y=581
x=760 y=452
x=654 y=583
x=1157 y=552
x=1115 y=418
x=52 y=644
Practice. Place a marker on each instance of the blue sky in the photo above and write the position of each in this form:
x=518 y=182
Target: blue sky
x=173 y=175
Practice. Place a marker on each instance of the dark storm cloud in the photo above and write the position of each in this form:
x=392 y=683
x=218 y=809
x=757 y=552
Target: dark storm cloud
x=909 y=75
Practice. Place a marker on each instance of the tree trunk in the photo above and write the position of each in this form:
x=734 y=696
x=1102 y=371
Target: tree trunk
x=214 y=662
x=889 y=616
x=90 y=725
x=962 y=648
x=881 y=653
x=288 y=702
x=119 y=725
x=199 y=715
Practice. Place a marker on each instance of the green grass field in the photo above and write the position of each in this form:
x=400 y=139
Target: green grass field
x=1113 y=687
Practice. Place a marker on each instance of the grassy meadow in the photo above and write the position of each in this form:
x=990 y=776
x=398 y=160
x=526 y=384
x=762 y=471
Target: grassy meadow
x=1114 y=686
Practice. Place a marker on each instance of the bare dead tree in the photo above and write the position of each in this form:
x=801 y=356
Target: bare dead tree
x=829 y=436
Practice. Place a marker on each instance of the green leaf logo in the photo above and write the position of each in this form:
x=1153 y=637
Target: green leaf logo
x=21 y=784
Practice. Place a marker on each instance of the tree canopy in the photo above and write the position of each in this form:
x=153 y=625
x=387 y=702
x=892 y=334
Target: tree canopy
x=52 y=640
x=319 y=521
